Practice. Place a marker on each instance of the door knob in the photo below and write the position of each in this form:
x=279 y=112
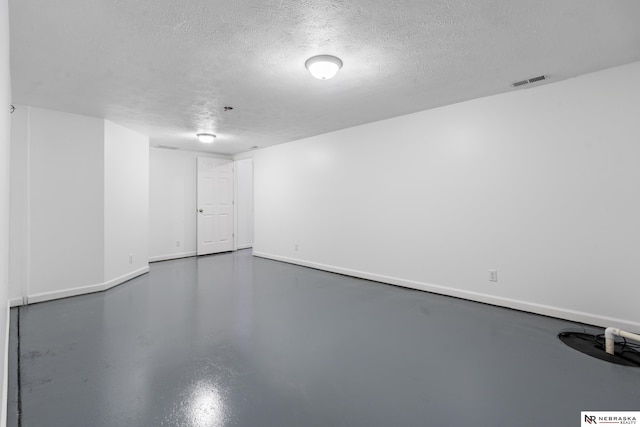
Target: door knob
x=200 y=210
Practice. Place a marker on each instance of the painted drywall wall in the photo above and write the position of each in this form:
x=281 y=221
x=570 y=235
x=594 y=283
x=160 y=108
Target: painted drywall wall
x=66 y=201
x=172 y=202
x=126 y=195
x=244 y=203
x=539 y=184
x=19 y=206
x=5 y=138
x=79 y=196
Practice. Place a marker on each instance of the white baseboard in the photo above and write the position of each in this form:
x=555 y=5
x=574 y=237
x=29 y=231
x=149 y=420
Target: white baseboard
x=15 y=302
x=82 y=290
x=246 y=246
x=125 y=277
x=5 y=369
x=171 y=256
x=65 y=293
x=546 y=310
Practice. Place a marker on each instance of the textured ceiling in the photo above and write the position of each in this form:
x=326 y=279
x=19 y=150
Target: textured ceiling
x=167 y=67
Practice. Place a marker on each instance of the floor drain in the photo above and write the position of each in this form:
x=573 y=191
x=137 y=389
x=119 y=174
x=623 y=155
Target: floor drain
x=593 y=345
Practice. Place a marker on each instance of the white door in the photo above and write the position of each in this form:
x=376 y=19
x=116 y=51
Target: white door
x=215 y=206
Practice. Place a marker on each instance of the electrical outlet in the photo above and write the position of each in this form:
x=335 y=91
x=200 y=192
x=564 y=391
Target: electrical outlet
x=177 y=243
x=130 y=259
x=493 y=275
x=295 y=247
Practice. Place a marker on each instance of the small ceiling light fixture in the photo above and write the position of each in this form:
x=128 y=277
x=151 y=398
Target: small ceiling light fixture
x=206 y=138
x=323 y=67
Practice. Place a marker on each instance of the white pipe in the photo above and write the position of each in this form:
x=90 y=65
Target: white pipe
x=609 y=337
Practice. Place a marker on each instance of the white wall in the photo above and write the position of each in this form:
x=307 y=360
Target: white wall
x=244 y=203
x=540 y=184
x=172 y=202
x=19 y=206
x=79 y=196
x=126 y=195
x=5 y=137
x=66 y=201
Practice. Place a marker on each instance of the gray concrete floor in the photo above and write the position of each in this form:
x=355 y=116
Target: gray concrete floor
x=232 y=340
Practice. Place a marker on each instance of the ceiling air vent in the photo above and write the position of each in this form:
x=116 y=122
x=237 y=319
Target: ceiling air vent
x=531 y=80
x=166 y=147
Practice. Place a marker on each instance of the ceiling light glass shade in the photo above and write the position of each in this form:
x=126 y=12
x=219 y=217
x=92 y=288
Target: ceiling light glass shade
x=207 y=138
x=323 y=67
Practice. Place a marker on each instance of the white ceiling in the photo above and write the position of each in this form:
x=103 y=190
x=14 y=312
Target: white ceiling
x=167 y=68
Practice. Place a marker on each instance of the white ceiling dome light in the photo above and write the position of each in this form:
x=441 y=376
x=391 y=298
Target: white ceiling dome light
x=206 y=138
x=323 y=67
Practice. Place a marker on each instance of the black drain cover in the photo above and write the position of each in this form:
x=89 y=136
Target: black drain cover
x=593 y=345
